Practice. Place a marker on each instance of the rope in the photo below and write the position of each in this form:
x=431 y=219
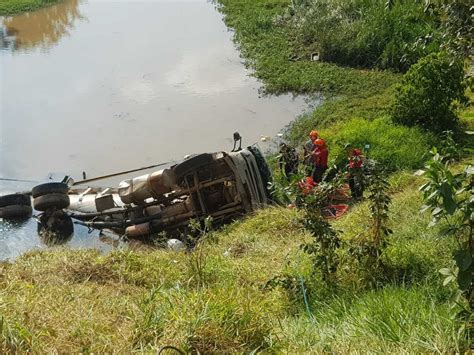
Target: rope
x=118 y=174
x=17 y=180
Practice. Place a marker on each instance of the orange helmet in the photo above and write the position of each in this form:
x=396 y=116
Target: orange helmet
x=314 y=134
x=320 y=142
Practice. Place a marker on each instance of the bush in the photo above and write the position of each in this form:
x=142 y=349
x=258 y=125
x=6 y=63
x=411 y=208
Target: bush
x=429 y=91
x=395 y=147
x=365 y=33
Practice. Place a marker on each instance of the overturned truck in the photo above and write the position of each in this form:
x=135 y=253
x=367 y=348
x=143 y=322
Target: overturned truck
x=221 y=185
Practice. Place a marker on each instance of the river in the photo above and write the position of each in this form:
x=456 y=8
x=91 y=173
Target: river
x=104 y=86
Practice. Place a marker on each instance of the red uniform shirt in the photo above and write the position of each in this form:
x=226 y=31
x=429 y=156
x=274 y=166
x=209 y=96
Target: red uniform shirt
x=321 y=157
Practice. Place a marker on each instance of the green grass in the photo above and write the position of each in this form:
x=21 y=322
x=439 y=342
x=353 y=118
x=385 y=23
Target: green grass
x=82 y=301
x=267 y=47
x=12 y=7
x=137 y=301
x=394 y=146
x=389 y=320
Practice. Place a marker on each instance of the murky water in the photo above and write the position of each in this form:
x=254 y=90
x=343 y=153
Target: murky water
x=103 y=86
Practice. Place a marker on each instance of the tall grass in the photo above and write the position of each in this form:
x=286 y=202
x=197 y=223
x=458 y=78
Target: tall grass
x=381 y=321
x=365 y=33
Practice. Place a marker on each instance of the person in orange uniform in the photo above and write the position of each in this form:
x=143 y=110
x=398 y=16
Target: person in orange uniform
x=308 y=150
x=320 y=156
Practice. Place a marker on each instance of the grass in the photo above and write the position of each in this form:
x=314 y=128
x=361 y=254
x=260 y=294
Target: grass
x=137 y=301
x=267 y=47
x=141 y=300
x=12 y=7
x=356 y=101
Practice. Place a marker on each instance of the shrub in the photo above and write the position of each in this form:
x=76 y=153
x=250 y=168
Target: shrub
x=393 y=146
x=365 y=33
x=429 y=91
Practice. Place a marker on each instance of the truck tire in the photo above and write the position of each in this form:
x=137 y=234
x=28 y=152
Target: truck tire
x=56 y=201
x=49 y=188
x=15 y=200
x=15 y=212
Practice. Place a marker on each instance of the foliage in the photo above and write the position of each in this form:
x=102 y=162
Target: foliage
x=139 y=300
x=364 y=33
x=265 y=43
x=392 y=146
x=14 y=338
x=456 y=22
x=376 y=321
x=337 y=110
x=450 y=197
x=11 y=7
x=379 y=204
x=429 y=91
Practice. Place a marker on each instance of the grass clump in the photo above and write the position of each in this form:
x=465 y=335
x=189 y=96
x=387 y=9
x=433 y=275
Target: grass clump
x=393 y=146
x=12 y=7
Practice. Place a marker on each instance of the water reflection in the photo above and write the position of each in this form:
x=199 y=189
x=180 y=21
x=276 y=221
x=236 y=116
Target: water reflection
x=131 y=86
x=43 y=28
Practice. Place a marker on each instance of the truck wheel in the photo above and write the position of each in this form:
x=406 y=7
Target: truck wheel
x=49 y=188
x=15 y=200
x=15 y=212
x=56 y=201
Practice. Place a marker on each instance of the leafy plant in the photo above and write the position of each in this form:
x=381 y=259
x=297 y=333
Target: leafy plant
x=429 y=92
x=369 y=245
x=456 y=17
x=379 y=205
x=326 y=241
x=450 y=198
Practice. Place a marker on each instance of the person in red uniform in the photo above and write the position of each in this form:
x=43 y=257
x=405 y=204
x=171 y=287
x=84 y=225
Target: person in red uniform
x=355 y=173
x=320 y=156
x=308 y=149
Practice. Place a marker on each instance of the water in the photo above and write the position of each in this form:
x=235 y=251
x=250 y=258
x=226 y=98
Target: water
x=103 y=86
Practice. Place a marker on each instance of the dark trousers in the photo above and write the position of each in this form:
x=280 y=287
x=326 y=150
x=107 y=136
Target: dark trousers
x=318 y=173
x=356 y=186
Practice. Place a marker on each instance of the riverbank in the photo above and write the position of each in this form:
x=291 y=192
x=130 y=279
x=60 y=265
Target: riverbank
x=357 y=101
x=81 y=301
x=251 y=287
x=13 y=7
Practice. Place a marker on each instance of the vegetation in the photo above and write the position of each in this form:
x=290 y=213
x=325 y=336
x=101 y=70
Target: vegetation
x=287 y=280
x=141 y=300
x=363 y=33
x=12 y=7
x=449 y=198
x=429 y=91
